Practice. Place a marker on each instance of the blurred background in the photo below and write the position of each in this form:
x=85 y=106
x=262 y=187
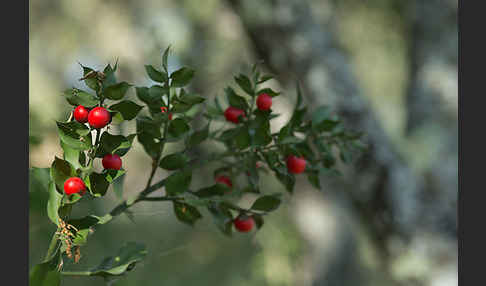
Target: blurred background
x=388 y=67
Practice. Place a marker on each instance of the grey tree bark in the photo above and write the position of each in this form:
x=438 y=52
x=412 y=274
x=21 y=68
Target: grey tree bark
x=385 y=193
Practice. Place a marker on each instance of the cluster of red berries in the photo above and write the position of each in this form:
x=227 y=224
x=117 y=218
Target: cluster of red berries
x=264 y=102
x=242 y=223
x=295 y=165
x=97 y=117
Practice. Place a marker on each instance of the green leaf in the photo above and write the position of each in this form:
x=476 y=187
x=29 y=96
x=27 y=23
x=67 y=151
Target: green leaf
x=268 y=91
x=158 y=91
x=258 y=220
x=75 y=135
x=262 y=136
x=114 y=144
x=181 y=77
x=284 y=133
x=77 y=97
x=320 y=114
x=126 y=258
x=109 y=72
x=178 y=127
x=288 y=180
x=71 y=155
x=173 y=161
x=197 y=137
x=186 y=213
x=98 y=184
x=264 y=78
x=54 y=203
x=214 y=190
x=152 y=99
x=164 y=59
x=178 y=182
x=156 y=75
x=322 y=120
x=299 y=96
x=83 y=226
x=229 y=134
x=91 y=82
x=266 y=203
x=112 y=175
x=191 y=99
x=61 y=170
x=127 y=108
x=271 y=157
x=297 y=117
x=181 y=107
x=234 y=99
x=148 y=125
x=244 y=82
x=242 y=138
x=45 y=274
x=149 y=144
x=71 y=199
x=222 y=217
x=117 y=91
x=313 y=177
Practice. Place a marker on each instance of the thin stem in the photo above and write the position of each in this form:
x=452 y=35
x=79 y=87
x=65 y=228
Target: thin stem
x=158 y=199
x=155 y=162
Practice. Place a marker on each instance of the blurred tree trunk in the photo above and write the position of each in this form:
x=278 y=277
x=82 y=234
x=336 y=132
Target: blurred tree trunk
x=432 y=106
x=295 y=45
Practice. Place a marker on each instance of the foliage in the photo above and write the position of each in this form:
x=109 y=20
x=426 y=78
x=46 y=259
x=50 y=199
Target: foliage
x=317 y=136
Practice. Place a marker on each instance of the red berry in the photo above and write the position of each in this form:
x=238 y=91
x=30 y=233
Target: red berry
x=295 y=165
x=81 y=114
x=99 y=117
x=112 y=162
x=264 y=101
x=74 y=185
x=164 y=110
x=224 y=180
x=244 y=223
x=232 y=114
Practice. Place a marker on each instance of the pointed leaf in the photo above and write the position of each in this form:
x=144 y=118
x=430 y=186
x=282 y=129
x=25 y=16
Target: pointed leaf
x=54 y=203
x=197 y=137
x=181 y=77
x=126 y=258
x=266 y=203
x=178 y=127
x=234 y=99
x=61 y=170
x=98 y=184
x=156 y=75
x=186 y=213
x=244 y=82
x=77 y=97
x=75 y=135
x=127 y=108
x=164 y=59
x=173 y=161
x=178 y=182
x=117 y=91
